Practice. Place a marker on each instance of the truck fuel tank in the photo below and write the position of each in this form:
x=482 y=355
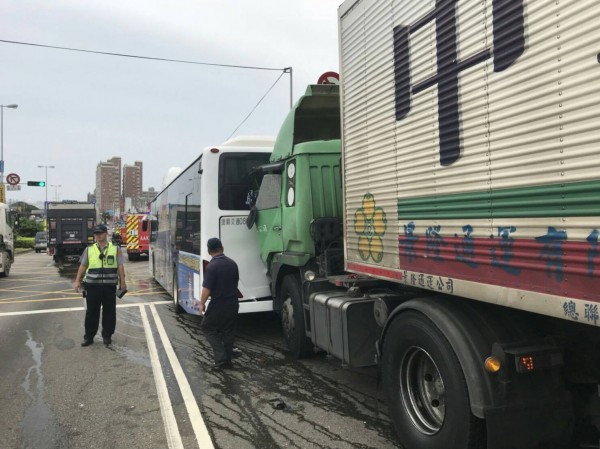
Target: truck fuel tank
x=345 y=326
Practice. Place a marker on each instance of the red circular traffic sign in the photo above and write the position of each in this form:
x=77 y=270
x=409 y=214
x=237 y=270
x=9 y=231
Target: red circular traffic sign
x=329 y=78
x=13 y=179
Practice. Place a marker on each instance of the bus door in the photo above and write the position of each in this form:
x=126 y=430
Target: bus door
x=242 y=247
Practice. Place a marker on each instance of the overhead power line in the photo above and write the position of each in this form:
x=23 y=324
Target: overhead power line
x=283 y=70
x=254 y=108
x=124 y=55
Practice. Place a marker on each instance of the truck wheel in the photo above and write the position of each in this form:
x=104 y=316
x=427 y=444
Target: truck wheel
x=6 y=258
x=292 y=318
x=426 y=387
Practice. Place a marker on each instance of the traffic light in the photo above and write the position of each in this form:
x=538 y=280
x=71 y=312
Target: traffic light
x=36 y=183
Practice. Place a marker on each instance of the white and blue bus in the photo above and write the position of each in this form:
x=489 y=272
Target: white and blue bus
x=208 y=199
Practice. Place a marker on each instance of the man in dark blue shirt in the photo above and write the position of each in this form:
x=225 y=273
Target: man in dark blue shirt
x=220 y=284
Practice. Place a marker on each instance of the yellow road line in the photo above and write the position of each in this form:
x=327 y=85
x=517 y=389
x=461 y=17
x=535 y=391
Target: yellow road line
x=38 y=294
x=23 y=287
x=78 y=309
x=2 y=302
x=69 y=291
x=38 y=279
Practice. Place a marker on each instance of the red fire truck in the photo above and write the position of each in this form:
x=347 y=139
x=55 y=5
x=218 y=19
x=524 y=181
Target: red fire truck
x=136 y=239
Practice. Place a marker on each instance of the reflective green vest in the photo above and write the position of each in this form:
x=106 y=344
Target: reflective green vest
x=102 y=267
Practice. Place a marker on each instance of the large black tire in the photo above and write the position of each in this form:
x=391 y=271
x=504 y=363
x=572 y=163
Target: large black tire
x=178 y=308
x=292 y=318
x=426 y=389
x=7 y=263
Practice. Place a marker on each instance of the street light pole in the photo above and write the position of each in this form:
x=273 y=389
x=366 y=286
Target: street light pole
x=46 y=184
x=10 y=106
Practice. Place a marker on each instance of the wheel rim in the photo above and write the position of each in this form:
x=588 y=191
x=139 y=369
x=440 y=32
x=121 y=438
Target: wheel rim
x=287 y=317
x=422 y=391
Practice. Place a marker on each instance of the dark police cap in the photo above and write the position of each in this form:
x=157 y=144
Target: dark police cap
x=214 y=244
x=99 y=229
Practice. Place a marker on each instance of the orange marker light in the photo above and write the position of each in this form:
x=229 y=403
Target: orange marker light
x=492 y=364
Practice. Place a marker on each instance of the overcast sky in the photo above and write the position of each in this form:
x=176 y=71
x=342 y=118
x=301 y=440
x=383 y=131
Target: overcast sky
x=77 y=109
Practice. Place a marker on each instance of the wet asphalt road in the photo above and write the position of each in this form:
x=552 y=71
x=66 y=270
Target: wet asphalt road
x=56 y=394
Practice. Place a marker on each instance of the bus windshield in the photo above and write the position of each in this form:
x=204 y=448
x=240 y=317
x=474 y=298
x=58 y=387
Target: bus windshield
x=234 y=178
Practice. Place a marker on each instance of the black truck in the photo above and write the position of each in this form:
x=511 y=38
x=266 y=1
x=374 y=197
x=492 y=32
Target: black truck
x=70 y=226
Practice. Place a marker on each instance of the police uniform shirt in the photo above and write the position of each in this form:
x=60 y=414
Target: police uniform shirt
x=221 y=278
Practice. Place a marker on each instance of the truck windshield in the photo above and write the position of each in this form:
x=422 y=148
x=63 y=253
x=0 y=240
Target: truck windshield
x=269 y=195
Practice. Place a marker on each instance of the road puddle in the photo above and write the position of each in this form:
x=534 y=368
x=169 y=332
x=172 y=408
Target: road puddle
x=39 y=427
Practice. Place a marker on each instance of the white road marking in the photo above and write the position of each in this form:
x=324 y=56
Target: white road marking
x=200 y=430
x=166 y=410
x=170 y=423
x=75 y=309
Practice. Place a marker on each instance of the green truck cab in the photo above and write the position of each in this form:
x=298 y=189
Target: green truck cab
x=298 y=209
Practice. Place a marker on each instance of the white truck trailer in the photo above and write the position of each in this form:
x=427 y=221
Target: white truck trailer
x=471 y=174
x=7 y=249
x=467 y=216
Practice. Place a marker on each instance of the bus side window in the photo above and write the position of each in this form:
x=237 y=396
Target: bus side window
x=153 y=230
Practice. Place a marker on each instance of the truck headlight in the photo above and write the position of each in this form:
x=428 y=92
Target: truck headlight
x=310 y=275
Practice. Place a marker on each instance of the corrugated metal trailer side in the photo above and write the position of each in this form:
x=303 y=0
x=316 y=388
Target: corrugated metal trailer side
x=472 y=127
x=470 y=179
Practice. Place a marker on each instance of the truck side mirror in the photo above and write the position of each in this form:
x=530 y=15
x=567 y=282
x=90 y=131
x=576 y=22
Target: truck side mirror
x=144 y=225
x=251 y=217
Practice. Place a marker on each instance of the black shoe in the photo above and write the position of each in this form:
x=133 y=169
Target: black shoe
x=237 y=352
x=86 y=342
x=107 y=341
x=222 y=366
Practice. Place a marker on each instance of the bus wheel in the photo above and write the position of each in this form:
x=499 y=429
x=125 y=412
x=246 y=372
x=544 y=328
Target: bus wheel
x=292 y=318
x=178 y=308
x=6 y=258
x=426 y=387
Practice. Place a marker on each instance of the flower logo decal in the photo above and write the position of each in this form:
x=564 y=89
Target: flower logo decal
x=370 y=223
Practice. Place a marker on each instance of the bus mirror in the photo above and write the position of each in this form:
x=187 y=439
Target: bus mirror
x=251 y=217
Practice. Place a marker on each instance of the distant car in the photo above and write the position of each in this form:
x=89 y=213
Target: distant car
x=41 y=242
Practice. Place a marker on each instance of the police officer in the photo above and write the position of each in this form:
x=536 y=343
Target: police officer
x=220 y=284
x=102 y=265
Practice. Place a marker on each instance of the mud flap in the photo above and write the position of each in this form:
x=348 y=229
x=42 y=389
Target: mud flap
x=546 y=424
